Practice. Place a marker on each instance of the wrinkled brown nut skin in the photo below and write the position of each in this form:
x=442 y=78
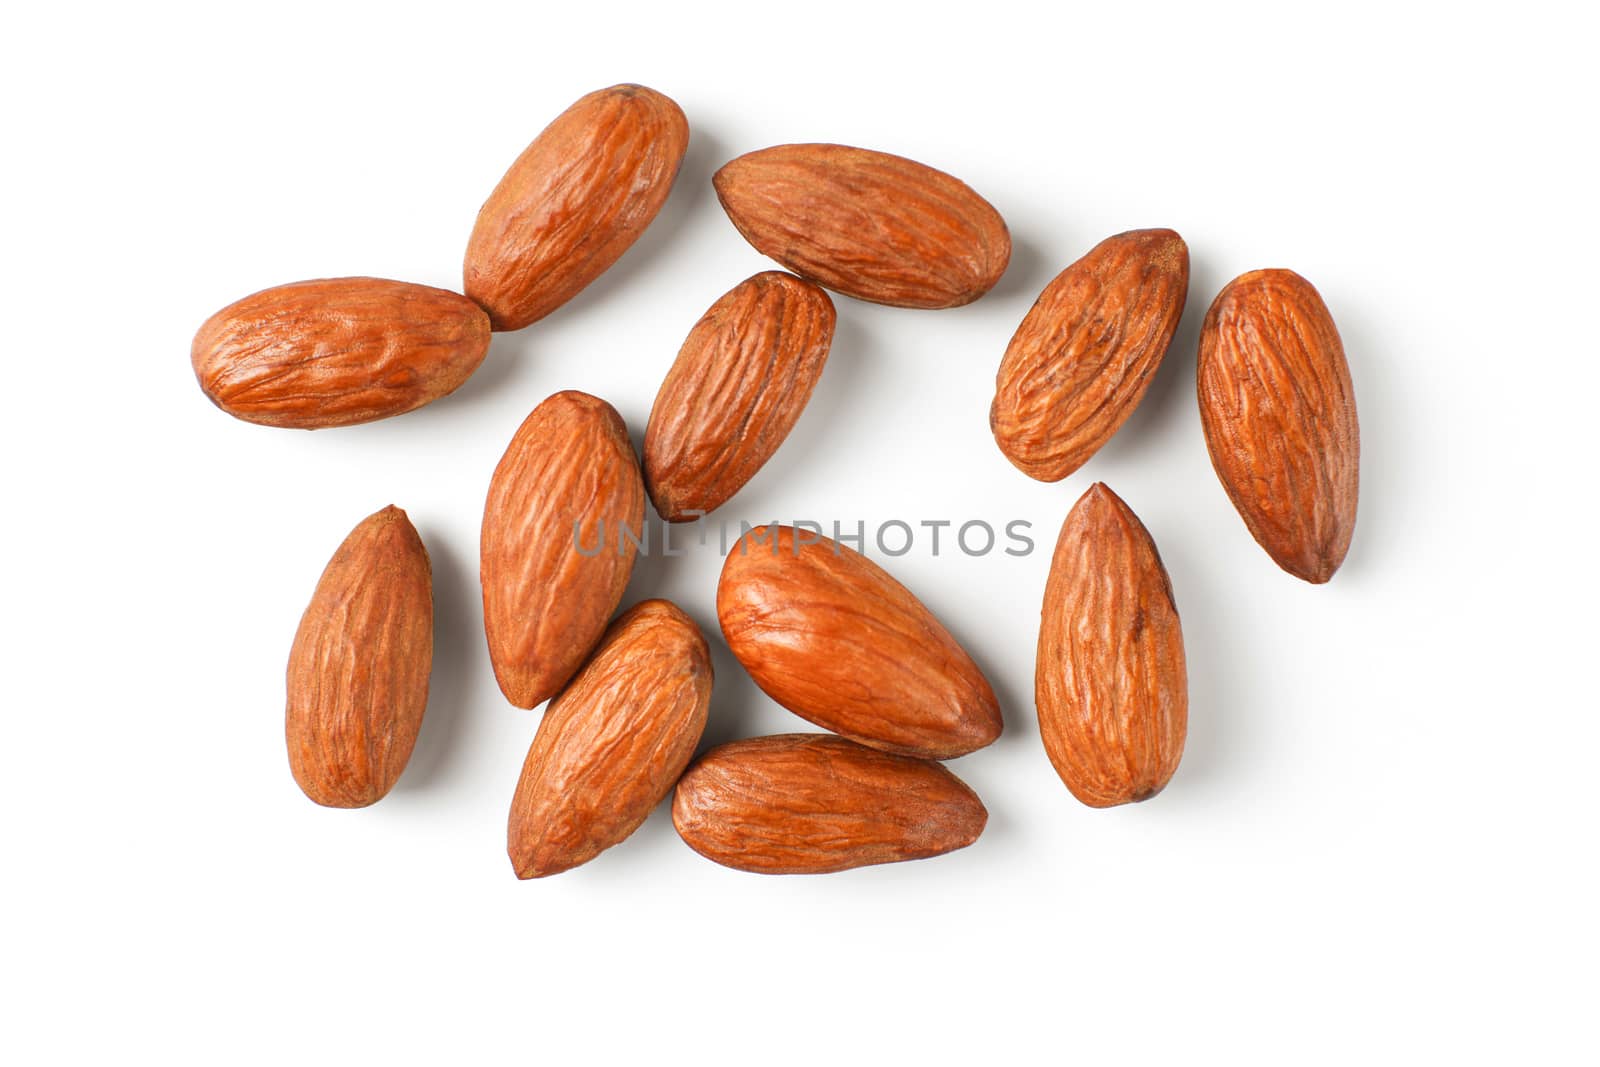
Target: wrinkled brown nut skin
x=612 y=743
x=831 y=636
x=573 y=202
x=737 y=388
x=337 y=351
x=867 y=224
x=813 y=804
x=1110 y=682
x=553 y=555
x=1279 y=414
x=1086 y=353
x=359 y=666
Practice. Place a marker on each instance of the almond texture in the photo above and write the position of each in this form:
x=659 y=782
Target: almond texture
x=811 y=804
x=557 y=545
x=338 y=351
x=1085 y=354
x=1279 y=414
x=358 y=670
x=573 y=202
x=1110 y=682
x=831 y=636
x=736 y=390
x=613 y=742
x=867 y=224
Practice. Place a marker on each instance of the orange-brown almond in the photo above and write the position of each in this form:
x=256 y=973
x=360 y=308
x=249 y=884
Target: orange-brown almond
x=1085 y=354
x=831 y=636
x=735 y=391
x=337 y=351
x=554 y=556
x=358 y=670
x=867 y=224
x=812 y=804
x=573 y=202
x=1110 y=682
x=1279 y=414
x=613 y=742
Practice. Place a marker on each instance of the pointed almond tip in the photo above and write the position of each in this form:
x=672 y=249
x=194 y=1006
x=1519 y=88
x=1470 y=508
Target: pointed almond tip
x=1099 y=495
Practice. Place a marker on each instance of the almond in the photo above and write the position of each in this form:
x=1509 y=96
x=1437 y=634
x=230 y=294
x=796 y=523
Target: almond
x=1279 y=414
x=337 y=351
x=867 y=224
x=613 y=742
x=1110 y=682
x=811 y=804
x=556 y=551
x=573 y=202
x=358 y=670
x=831 y=636
x=735 y=391
x=1085 y=354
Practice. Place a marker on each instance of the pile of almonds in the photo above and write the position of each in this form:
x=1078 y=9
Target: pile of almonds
x=824 y=631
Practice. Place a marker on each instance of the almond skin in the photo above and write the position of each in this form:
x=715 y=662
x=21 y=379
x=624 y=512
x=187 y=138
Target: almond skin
x=867 y=224
x=573 y=202
x=831 y=636
x=1110 y=682
x=813 y=804
x=737 y=388
x=1084 y=356
x=569 y=480
x=1279 y=414
x=613 y=742
x=338 y=351
x=358 y=670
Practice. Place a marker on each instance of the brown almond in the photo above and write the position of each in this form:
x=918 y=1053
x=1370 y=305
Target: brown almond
x=613 y=742
x=812 y=804
x=573 y=202
x=1087 y=351
x=1279 y=414
x=867 y=224
x=555 y=551
x=1110 y=682
x=831 y=636
x=338 y=351
x=735 y=391
x=358 y=670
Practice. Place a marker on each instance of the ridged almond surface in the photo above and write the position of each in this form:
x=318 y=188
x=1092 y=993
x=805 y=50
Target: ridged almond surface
x=812 y=804
x=736 y=390
x=1279 y=413
x=358 y=670
x=613 y=742
x=1110 y=682
x=338 y=351
x=553 y=555
x=867 y=224
x=1085 y=354
x=831 y=636
x=573 y=202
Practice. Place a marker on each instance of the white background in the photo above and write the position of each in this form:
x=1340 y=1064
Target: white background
x=1380 y=842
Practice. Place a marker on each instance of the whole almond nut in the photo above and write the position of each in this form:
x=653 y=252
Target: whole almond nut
x=613 y=742
x=573 y=202
x=338 y=351
x=1085 y=354
x=1279 y=414
x=554 y=554
x=358 y=670
x=831 y=636
x=813 y=804
x=867 y=224
x=736 y=390
x=1110 y=682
